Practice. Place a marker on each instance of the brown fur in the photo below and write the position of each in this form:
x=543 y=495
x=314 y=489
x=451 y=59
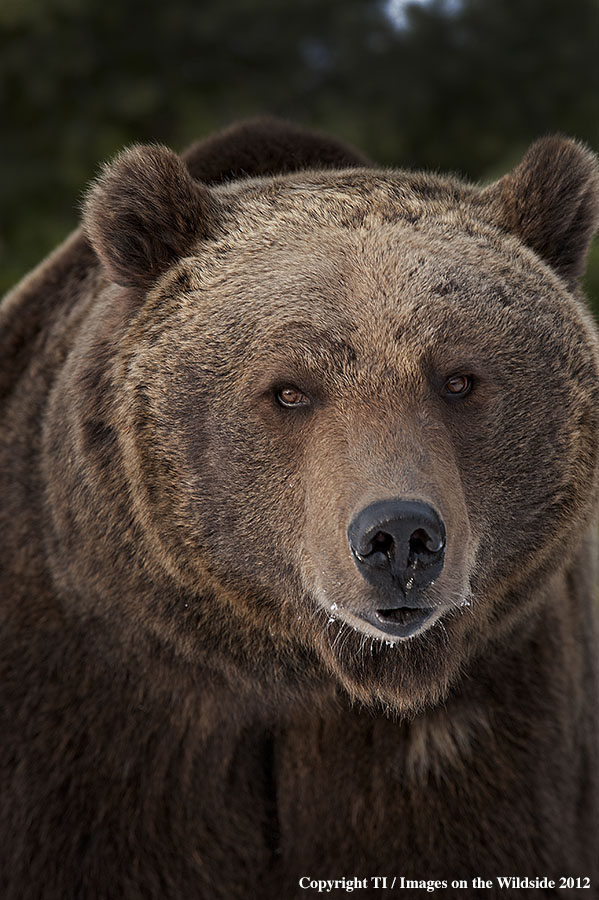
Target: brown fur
x=188 y=708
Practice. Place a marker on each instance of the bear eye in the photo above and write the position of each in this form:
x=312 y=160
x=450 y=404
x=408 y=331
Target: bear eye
x=291 y=397
x=458 y=385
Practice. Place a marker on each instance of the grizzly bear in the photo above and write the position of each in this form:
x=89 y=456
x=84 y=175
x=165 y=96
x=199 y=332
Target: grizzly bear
x=300 y=489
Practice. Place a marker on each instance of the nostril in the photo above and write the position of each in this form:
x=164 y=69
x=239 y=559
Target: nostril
x=382 y=543
x=375 y=550
x=422 y=544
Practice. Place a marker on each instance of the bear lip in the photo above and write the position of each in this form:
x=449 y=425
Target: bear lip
x=403 y=621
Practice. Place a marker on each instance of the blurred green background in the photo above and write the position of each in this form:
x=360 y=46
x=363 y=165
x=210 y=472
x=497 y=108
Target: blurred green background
x=459 y=85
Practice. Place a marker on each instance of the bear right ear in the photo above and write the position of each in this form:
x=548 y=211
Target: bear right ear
x=551 y=202
x=145 y=211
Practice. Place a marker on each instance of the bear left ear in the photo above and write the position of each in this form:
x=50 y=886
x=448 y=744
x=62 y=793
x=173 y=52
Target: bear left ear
x=551 y=202
x=143 y=212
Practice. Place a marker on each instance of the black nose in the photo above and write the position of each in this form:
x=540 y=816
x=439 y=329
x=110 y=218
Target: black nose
x=398 y=543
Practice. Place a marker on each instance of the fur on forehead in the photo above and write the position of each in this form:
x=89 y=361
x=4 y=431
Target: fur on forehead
x=146 y=211
x=550 y=202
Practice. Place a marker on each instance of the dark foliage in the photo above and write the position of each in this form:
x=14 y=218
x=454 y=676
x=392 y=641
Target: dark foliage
x=462 y=86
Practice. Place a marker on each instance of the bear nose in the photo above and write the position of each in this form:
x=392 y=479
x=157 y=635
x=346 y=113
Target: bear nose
x=398 y=543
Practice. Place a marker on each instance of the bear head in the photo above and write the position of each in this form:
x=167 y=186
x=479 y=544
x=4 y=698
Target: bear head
x=356 y=411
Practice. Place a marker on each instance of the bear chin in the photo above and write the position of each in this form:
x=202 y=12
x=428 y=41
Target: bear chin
x=400 y=674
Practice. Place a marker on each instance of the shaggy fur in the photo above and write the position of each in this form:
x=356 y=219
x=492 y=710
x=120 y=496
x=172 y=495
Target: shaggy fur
x=191 y=704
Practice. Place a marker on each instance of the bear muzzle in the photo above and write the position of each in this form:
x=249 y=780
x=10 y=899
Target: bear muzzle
x=399 y=547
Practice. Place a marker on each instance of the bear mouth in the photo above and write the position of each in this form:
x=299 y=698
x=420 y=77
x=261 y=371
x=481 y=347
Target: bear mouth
x=403 y=621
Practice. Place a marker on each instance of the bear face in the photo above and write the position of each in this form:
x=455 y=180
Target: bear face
x=335 y=391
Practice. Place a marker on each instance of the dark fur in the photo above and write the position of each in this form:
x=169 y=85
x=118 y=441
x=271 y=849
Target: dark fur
x=550 y=200
x=180 y=719
x=136 y=242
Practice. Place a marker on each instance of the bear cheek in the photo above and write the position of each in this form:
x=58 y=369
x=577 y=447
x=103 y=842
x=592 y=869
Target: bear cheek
x=255 y=543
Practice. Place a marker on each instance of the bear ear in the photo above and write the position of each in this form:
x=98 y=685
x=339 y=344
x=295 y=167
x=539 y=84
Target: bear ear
x=551 y=202
x=143 y=212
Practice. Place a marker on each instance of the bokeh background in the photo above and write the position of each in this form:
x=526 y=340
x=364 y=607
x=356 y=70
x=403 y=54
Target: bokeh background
x=458 y=85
